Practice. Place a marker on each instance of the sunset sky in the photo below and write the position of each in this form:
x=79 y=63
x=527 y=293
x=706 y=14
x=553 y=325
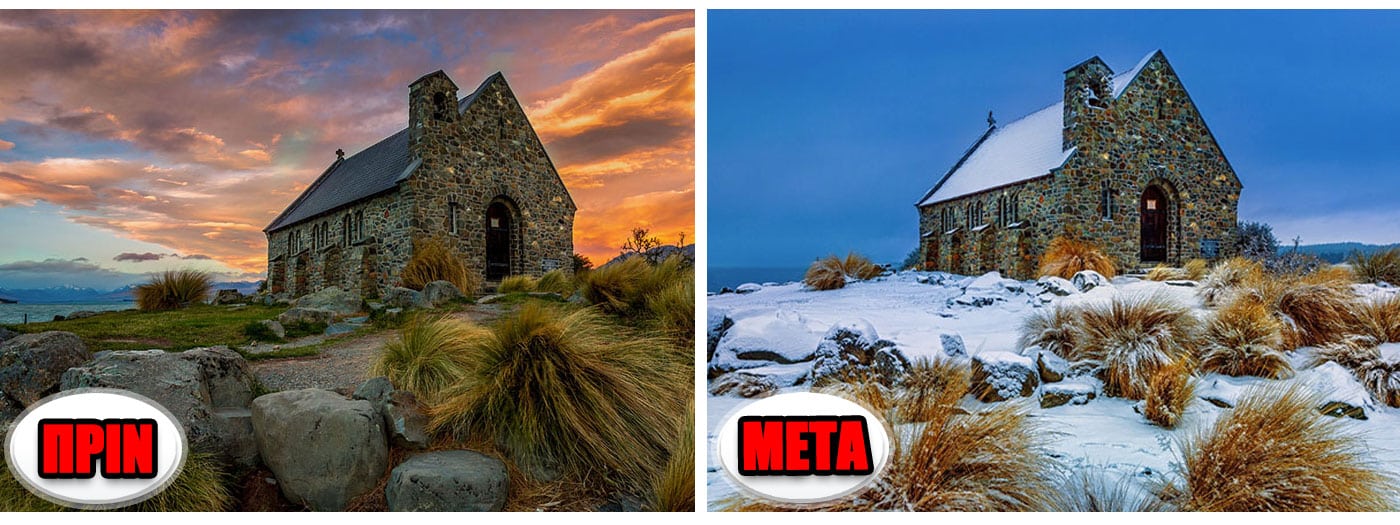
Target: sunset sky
x=137 y=142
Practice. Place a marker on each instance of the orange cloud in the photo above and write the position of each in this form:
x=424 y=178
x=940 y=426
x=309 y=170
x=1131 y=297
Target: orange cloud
x=6 y=145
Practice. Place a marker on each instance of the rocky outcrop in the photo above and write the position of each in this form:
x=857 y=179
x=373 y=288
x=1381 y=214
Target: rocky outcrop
x=1067 y=393
x=405 y=298
x=229 y=296
x=332 y=298
x=325 y=450
x=299 y=315
x=854 y=348
x=32 y=365
x=448 y=481
x=998 y=376
x=405 y=419
x=438 y=293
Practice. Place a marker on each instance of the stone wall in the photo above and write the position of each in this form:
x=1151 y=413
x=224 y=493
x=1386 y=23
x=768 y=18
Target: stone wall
x=365 y=263
x=1150 y=135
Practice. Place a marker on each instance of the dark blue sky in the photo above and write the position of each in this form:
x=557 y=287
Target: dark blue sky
x=826 y=127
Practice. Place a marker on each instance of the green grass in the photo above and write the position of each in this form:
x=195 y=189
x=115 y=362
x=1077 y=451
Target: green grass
x=202 y=486
x=196 y=326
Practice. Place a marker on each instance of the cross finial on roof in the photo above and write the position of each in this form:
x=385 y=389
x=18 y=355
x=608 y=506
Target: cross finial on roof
x=991 y=121
x=339 y=153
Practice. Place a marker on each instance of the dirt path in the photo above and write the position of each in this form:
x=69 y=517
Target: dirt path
x=344 y=364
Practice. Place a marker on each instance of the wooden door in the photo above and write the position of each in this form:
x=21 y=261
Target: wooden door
x=1153 y=210
x=497 y=242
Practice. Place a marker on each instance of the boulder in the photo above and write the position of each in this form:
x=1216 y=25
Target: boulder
x=743 y=384
x=399 y=297
x=405 y=419
x=448 y=481
x=1052 y=368
x=953 y=345
x=32 y=365
x=299 y=315
x=855 y=348
x=324 y=449
x=1056 y=286
x=208 y=390
x=1068 y=393
x=998 y=376
x=228 y=296
x=748 y=288
x=274 y=327
x=375 y=390
x=1087 y=280
x=333 y=299
x=438 y=293
x=718 y=324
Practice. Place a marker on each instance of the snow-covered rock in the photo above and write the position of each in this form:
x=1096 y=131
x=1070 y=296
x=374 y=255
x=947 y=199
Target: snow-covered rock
x=852 y=347
x=1052 y=368
x=748 y=288
x=743 y=384
x=1051 y=285
x=998 y=376
x=1342 y=394
x=953 y=345
x=718 y=324
x=1087 y=280
x=1076 y=392
x=783 y=337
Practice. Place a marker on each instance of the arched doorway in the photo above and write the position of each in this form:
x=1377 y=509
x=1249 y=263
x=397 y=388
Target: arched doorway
x=498 y=227
x=1154 y=212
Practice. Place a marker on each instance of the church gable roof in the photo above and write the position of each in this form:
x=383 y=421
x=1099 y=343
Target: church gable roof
x=375 y=170
x=1028 y=148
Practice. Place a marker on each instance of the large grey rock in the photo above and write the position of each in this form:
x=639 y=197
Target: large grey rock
x=718 y=324
x=438 y=293
x=376 y=390
x=854 y=347
x=1087 y=280
x=202 y=388
x=405 y=298
x=405 y=419
x=998 y=376
x=449 y=481
x=331 y=298
x=324 y=449
x=32 y=365
x=275 y=328
x=228 y=296
x=1071 y=393
x=299 y=315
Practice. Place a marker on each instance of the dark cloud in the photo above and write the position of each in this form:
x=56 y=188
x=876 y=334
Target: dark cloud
x=197 y=257
x=51 y=266
x=138 y=257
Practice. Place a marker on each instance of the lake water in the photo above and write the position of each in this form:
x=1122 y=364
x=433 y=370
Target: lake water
x=38 y=313
x=732 y=277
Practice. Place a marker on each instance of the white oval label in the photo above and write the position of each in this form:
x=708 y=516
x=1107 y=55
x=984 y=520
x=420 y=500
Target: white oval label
x=803 y=447
x=95 y=448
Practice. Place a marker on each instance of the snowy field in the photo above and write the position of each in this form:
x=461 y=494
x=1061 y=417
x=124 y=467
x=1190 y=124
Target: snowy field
x=773 y=324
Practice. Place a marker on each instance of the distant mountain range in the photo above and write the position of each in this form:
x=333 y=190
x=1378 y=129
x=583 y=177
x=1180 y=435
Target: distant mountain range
x=74 y=294
x=1338 y=251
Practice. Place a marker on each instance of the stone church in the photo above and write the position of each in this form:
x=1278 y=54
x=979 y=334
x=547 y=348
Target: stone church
x=1123 y=161
x=469 y=173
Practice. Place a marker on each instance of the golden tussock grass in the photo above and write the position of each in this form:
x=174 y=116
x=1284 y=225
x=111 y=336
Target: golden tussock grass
x=569 y=392
x=917 y=396
x=516 y=284
x=1101 y=490
x=1317 y=313
x=674 y=488
x=555 y=281
x=429 y=355
x=1066 y=257
x=626 y=287
x=432 y=261
x=173 y=289
x=1130 y=337
x=1051 y=329
x=1169 y=391
x=1228 y=277
x=1309 y=462
x=1196 y=269
x=1382 y=266
x=832 y=272
x=1363 y=358
x=1245 y=339
x=1163 y=272
x=1379 y=319
x=202 y=486
x=672 y=311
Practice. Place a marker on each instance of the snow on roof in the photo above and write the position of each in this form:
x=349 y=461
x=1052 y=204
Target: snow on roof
x=1022 y=150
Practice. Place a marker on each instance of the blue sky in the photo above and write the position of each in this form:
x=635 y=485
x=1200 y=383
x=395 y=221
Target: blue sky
x=826 y=127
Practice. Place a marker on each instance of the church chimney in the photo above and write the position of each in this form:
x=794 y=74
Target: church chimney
x=1088 y=89
x=339 y=154
x=432 y=106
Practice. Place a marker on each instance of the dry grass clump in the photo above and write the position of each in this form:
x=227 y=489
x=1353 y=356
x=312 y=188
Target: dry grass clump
x=1131 y=337
x=672 y=311
x=1245 y=339
x=674 y=488
x=1382 y=266
x=569 y=392
x=516 y=284
x=1317 y=313
x=1052 y=329
x=429 y=355
x=1363 y=358
x=1066 y=257
x=1162 y=272
x=1098 y=490
x=1196 y=269
x=555 y=281
x=1227 y=277
x=1379 y=319
x=173 y=289
x=1308 y=462
x=433 y=261
x=832 y=272
x=917 y=396
x=628 y=286
x=1169 y=391
x=202 y=486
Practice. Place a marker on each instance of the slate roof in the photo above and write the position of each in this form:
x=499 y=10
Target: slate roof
x=375 y=170
x=1027 y=148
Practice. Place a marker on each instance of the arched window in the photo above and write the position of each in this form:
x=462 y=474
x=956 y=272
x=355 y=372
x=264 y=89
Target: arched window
x=967 y=213
x=440 y=106
x=345 y=229
x=1106 y=201
x=1001 y=211
x=359 y=225
x=1015 y=207
x=453 y=216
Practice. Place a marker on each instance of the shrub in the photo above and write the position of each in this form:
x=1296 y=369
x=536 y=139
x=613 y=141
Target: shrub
x=516 y=284
x=429 y=356
x=1066 y=257
x=1051 y=329
x=1227 y=277
x=1195 y=269
x=555 y=281
x=1379 y=267
x=1169 y=391
x=1245 y=339
x=1316 y=314
x=1379 y=319
x=1293 y=263
x=304 y=328
x=832 y=272
x=1131 y=337
x=674 y=489
x=927 y=383
x=1308 y=463
x=173 y=289
x=1096 y=490
x=568 y=393
x=581 y=263
x=258 y=331
x=1254 y=241
x=1163 y=272
x=432 y=261
x=202 y=486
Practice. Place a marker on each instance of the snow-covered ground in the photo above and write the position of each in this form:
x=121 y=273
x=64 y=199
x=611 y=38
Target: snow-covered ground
x=776 y=326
